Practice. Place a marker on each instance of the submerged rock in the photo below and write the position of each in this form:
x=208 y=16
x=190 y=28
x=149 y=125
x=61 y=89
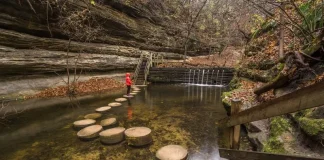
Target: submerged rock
x=120 y=99
x=103 y=109
x=93 y=116
x=90 y=132
x=114 y=104
x=83 y=123
x=112 y=136
x=138 y=136
x=172 y=152
x=108 y=123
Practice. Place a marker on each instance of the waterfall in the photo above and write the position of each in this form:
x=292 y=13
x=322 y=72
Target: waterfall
x=207 y=76
x=212 y=76
x=217 y=76
x=198 y=77
x=189 y=76
x=193 y=78
x=202 y=77
x=222 y=77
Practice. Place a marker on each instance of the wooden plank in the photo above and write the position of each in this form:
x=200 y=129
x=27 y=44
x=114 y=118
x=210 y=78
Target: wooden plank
x=308 y=97
x=249 y=155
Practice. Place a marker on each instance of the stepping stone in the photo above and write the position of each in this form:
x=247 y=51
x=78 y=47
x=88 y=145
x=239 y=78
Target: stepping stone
x=126 y=96
x=114 y=104
x=112 y=136
x=133 y=93
x=136 y=91
x=138 y=136
x=172 y=152
x=92 y=116
x=83 y=123
x=108 y=123
x=103 y=109
x=90 y=132
x=120 y=99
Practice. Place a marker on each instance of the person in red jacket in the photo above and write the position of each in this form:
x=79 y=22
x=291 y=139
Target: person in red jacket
x=128 y=83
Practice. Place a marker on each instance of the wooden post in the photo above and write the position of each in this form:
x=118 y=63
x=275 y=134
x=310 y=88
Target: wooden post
x=235 y=130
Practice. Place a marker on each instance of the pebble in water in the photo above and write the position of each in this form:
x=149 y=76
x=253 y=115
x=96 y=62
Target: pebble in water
x=103 y=109
x=92 y=116
x=138 y=136
x=172 y=152
x=90 y=132
x=112 y=136
x=83 y=123
x=114 y=104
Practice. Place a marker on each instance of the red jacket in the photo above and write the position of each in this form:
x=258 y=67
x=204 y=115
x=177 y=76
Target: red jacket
x=128 y=80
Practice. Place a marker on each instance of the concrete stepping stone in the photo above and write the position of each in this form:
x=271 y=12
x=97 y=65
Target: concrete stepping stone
x=138 y=136
x=93 y=116
x=112 y=136
x=109 y=123
x=103 y=109
x=128 y=96
x=133 y=93
x=136 y=91
x=172 y=152
x=90 y=132
x=114 y=104
x=83 y=123
x=120 y=99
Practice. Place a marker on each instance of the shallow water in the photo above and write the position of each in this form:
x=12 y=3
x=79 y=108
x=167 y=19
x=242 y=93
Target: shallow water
x=177 y=114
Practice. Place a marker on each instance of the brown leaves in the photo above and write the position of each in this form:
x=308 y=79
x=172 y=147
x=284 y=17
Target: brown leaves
x=93 y=85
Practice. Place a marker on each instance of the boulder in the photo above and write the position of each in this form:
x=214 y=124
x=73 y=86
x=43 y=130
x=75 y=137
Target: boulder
x=112 y=136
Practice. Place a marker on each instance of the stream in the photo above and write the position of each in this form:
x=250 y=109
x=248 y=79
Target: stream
x=177 y=114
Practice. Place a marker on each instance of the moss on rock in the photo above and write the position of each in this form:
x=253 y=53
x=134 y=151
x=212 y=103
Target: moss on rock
x=312 y=127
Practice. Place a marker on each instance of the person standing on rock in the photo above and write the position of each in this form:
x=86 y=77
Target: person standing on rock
x=128 y=83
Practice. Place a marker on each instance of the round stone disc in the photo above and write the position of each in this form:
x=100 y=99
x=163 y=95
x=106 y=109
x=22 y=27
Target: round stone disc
x=103 y=109
x=133 y=93
x=128 y=96
x=136 y=91
x=138 y=136
x=92 y=116
x=89 y=132
x=114 y=104
x=172 y=152
x=112 y=136
x=84 y=123
x=108 y=122
x=120 y=99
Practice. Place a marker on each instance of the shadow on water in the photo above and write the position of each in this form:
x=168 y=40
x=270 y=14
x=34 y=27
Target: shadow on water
x=177 y=114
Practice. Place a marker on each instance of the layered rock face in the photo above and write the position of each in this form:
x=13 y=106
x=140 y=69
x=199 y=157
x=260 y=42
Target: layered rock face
x=32 y=42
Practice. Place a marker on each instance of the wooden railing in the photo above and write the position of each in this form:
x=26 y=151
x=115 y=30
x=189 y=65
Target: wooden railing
x=305 y=98
x=138 y=68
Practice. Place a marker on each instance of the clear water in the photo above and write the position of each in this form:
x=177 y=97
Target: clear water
x=177 y=114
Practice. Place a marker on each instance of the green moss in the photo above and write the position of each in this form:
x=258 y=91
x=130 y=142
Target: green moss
x=312 y=127
x=280 y=66
x=274 y=145
x=278 y=126
x=235 y=83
